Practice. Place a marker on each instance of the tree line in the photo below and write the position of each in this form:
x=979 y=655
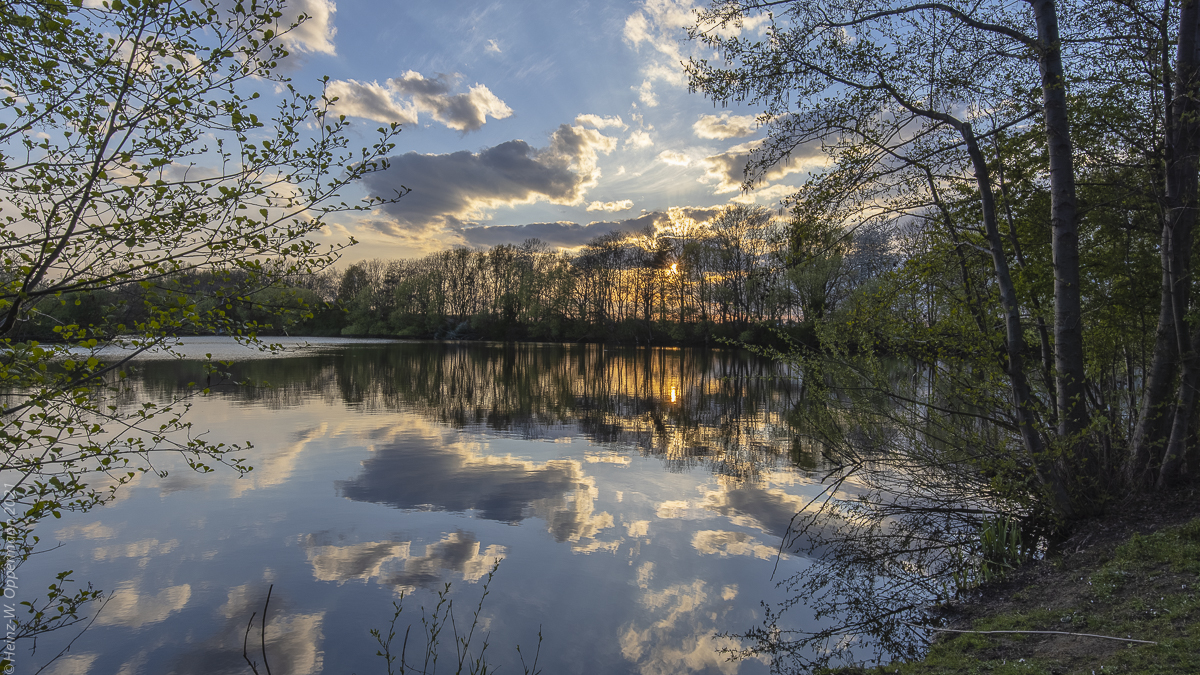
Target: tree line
x=689 y=282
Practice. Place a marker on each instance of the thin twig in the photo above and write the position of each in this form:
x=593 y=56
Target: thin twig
x=77 y=636
x=245 y=640
x=263 y=638
x=1033 y=632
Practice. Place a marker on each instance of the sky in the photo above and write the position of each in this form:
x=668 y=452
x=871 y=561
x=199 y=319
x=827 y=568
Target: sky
x=560 y=121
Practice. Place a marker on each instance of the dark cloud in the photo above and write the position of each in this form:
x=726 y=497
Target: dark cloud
x=571 y=235
x=415 y=476
x=450 y=190
x=560 y=235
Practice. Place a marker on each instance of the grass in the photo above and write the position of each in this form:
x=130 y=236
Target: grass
x=1145 y=588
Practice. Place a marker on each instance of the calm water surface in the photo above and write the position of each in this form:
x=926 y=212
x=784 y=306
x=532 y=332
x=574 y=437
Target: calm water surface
x=635 y=498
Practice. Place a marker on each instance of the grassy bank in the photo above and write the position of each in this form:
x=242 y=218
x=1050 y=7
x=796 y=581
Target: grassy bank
x=1118 y=578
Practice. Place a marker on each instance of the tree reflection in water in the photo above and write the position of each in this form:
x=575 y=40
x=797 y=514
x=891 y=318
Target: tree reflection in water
x=724 y=411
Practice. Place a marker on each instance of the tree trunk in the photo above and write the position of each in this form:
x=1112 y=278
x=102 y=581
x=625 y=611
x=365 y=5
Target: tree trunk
x=1183 y=137
x=1049 y=473
x=1154 y=412
x=1068 y=314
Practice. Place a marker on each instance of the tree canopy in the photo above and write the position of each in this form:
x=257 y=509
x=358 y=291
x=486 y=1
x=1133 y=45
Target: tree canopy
x=155 y=169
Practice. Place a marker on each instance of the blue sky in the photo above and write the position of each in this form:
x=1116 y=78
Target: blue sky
x=554 y=120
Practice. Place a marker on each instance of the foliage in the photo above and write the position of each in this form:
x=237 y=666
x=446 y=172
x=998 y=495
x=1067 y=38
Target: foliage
x=1034 y=164
x=149 y=190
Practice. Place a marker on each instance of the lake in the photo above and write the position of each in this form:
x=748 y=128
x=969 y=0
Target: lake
x=634 y=498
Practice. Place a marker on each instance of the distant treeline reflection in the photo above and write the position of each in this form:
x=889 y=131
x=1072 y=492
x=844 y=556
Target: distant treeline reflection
x=723 y=408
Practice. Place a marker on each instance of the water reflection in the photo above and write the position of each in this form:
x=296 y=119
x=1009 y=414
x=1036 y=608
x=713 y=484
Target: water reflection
x=293 y=638
x=722 y=409
x=411 y=475
x=389 y=469
x=391 y=563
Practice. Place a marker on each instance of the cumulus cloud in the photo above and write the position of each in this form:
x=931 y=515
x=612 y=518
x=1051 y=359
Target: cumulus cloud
x=492 y=47
x=725 y=126
x=452 y=190
x=771 y=194
x=677 y=631
x=623 y=205
x=96 y=530
x=674 y=158
x=562 y=235
x=145 y=549
x=462 y=112
x=408 y=476
x=660 y=24
x=598 y=122
x=371 y=101
x=401 y=99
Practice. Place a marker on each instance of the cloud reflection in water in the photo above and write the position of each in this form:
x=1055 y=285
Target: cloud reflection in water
x=392 y=564
x=437 y=474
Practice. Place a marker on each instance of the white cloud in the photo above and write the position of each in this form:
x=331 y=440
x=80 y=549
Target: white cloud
x=129 y=608
x=646 y=93
x=387 y=102
x=371 y=101
x=599 y=122
x=725 y=126
x=660 y=25
x=731 y=543
x=623 y=205
x=96 y=530
x=639 y=139
x=316 y=33
x=674 y=158
x=492 y=47
x=145 y=548
x=74 y=664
